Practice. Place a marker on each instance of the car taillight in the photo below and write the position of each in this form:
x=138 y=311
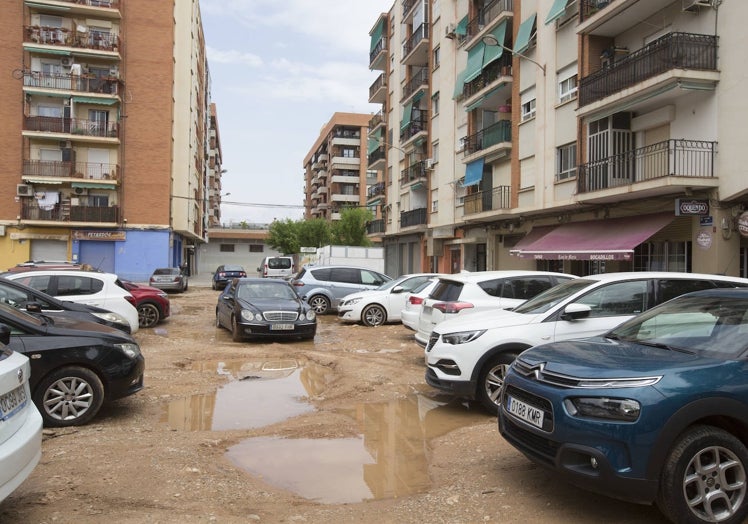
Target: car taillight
x=415 y=300
x=265 y=271
x=298 y=283
x=131 y=300
x=222 y=274
x=452 y=307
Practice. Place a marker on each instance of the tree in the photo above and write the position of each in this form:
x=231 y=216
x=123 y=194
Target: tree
x=314 y=233
x=350 y=230
x=283 y=235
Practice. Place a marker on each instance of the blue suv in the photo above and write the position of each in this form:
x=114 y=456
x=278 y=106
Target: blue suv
x=656 y=410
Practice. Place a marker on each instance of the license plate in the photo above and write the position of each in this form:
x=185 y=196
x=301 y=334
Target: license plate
x=281 y=327
x=11 y=402
x=526 y=412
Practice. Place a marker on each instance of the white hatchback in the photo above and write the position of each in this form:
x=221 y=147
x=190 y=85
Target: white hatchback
x=468 y=293
x=414 y=302
x=103 y=290
x=20 y=422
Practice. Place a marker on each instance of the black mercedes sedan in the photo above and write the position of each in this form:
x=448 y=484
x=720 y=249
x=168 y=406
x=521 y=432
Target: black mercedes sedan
x=264 y=308
x=75 y=365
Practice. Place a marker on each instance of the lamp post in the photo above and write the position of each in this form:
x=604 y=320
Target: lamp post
x=492 y=41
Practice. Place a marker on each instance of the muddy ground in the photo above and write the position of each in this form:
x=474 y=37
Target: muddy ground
x=342 y=429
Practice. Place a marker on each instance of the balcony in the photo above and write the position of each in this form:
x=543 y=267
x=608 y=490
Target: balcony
x=375 y=121
x=667 y=162
x=414 y=174
x=62 y=169
x=496 y=199
x=416 y=47
x=65 y=82
x=73 y=126
x=487 y=14
x=416 y=217
x=416 y=126
x=376 y=158
x=674 y=51
x=375 y=226
x=497 y=133
x=30 y=210
x=498 y=70
x=105 y=8
x=378 y=90
x=613 y=17
x=419 y=80
x=378 y=55
x=407 y=6
x=375 y=190
x=63 y=37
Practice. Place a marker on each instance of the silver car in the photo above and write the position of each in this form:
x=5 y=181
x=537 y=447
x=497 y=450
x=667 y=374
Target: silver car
x=324 y=286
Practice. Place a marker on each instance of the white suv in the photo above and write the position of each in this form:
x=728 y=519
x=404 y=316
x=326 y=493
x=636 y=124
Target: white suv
x=468 y=293
x=469 y=356
x=92 y=288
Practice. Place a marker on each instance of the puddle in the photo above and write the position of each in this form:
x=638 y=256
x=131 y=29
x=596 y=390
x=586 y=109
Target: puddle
x=389 y=459
x=258 y=394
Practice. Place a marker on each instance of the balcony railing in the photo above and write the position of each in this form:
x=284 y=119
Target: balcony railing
x=60 y=36
x=375 y=190
x=672 y=51
x=75 y=126
x=681 y=158
x=83 y=83
x=420 y=33
x=419 y=79
x=376 y=86
x=413 y=218
x=407 y=6
x=381 y=46
x=493 y=200
x=496 y=133
x=375 y=226
x=590 y=7
x=62 y=169
x=376 y=155
x=375 y=120
x=489 y=75
x=114 y=4
x=487 y=14
x=416 y=125
x=32 y=211
x=413 y=172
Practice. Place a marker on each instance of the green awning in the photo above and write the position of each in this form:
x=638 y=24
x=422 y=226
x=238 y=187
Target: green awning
x=417 y=97
x=493 y=52
x=461 y=28
x=92 y=100
x=85 y=185
x=42 y=181
x=47 y=51
x=475 y=104
x=524 y=34
x=376 y=36
x=459 y=85
x=557 y=9
x=474 y=62
x=405 y=122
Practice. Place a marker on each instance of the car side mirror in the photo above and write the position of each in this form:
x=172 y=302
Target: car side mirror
x=4 y=334
x=33 y=307
x=576 y=311
x=397 y=289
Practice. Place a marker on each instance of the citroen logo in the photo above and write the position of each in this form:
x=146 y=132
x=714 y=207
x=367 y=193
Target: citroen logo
x=20 y=376
x=538 y=370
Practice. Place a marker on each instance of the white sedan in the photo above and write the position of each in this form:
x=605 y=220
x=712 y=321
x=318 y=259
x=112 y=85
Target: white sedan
x=377 y=306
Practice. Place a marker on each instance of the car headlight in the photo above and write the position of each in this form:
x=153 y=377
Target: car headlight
x=620 y=409
x=111 y=317
x=462 y=337
x=311 y=315
x=249 y=316
x=130 y=349
x=352 y=301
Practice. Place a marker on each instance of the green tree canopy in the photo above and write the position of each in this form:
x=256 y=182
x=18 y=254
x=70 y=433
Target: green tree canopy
x=283 y=235
x=314 y=233
x=350 y=230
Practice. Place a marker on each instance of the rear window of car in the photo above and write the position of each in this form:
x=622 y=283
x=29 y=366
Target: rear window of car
x=320 y=274
x=72 y=285
x=346 y=275
x=278 y=263
x=679 y=286
x=524 y=288
x=447 y=291
x=233 y=268
x=166 y=271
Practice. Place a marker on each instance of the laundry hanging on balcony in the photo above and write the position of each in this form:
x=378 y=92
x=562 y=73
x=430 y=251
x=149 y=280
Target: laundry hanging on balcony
x=48 y=201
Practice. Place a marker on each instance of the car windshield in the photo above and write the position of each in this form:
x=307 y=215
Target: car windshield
x=549 y=298
x=713 y=325
x=250 y=292
x=392 y=283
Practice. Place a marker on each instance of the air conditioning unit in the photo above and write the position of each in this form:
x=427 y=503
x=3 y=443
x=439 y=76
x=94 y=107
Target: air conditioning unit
x=429 y=163
x=694 y=5
x=67 y=61
x=80 y=191
x=24 y=190
x=449 y=31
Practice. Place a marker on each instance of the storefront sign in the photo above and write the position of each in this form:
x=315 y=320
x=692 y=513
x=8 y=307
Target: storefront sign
x=109 y=236
x=706 y=221
x=691 y=206
x=743 y=224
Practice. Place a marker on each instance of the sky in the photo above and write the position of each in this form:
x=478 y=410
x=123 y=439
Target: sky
x=279 y=70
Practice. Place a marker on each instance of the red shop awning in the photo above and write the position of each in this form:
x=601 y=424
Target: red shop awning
x=604 y=239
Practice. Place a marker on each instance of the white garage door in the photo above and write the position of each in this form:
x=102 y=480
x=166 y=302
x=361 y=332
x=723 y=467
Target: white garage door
x=49 y=250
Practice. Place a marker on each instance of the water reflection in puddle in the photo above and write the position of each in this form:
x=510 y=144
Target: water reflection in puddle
x=389 y=459
x=258 y=394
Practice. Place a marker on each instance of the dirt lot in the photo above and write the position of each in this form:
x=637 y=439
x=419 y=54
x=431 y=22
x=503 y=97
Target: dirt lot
x=339 y=430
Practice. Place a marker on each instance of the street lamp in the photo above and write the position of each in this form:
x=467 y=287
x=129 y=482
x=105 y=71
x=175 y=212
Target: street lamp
x=491 y=40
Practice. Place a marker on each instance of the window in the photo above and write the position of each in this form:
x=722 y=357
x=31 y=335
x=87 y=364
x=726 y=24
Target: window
x=349 y=152
x=567 y=89
x=434 y=200
x=226 y=248
x=528 y=110
x=620 y=298
x=71 y=285
x=663 y=256
x=435 y=104
x=524 y=288
x=345 y=275
x=256 y=248
x=98 y=201
x=676 y=287
x=566 y=161
x=437 y=57
x=370 y=278
x=435 y=152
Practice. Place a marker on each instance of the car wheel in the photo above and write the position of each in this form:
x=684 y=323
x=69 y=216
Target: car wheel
x=69 y=396
x=218 y=321
x=704 y=478
x=319 y=304
x=491 y=379
x=148 y=315
x=213 y=285
x=373 y=315
x=236 y=331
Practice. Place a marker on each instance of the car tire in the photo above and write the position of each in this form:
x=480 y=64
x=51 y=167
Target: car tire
x=213 y=285
x=148 y=315
x=218 y=321
x=69 y=396
x=236 y=331
x=490 y=380
x=320 y=304
x=373 y=315
x=705 y=460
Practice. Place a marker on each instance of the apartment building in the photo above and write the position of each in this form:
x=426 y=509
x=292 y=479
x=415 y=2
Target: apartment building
x=335 y=168
x=581 y=136
x=106 y=134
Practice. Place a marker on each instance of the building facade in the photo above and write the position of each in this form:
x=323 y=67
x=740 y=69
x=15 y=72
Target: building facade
x=106 y=134
x=580 y=136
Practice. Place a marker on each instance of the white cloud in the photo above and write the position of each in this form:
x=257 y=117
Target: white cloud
x=232 y=56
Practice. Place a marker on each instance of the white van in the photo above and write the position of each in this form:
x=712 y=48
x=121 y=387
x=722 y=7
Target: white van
x=276 y=267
